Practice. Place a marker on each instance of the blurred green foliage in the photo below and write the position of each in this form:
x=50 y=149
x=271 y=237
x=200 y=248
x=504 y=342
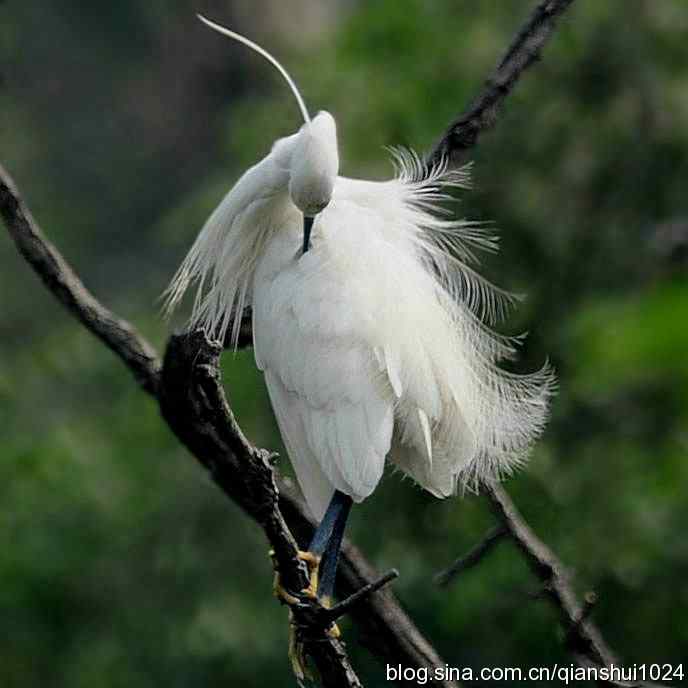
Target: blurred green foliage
x=124 y=123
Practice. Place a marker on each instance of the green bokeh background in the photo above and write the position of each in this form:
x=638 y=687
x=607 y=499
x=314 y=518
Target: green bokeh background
x=125 y=123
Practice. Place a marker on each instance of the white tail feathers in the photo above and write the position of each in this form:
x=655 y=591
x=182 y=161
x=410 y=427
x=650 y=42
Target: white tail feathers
x=504 y=412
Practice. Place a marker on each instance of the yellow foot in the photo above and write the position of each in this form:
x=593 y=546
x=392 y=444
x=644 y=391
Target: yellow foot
x=296 y=648
x=313 y=563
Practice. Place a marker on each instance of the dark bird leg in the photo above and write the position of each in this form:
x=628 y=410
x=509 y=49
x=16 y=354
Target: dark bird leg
x=322 y=555
x=321 y=558
x=327 y=541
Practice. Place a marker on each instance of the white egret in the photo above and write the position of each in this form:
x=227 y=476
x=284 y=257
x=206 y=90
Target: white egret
x=370 y=323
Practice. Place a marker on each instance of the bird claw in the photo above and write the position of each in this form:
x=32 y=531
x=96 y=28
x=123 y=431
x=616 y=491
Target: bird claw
x=297 y=654
x=313 y=564
x=310 y=592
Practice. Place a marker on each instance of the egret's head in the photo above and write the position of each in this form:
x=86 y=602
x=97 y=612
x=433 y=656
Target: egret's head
x=315 y=160
x=314 y=165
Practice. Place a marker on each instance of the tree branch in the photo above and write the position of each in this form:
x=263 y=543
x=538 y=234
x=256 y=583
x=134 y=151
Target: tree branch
x=582 y=635
x=343 y=607
x=472 y=558
x=482 y=113
x=117 y=334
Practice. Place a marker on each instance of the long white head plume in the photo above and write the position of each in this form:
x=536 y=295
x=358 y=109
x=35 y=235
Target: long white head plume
x=261 y=51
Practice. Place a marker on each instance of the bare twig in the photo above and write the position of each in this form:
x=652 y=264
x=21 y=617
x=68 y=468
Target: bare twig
x=583 y=637
x=117 y=334
x=472 y=557
x=482 y=113
x=343 y=607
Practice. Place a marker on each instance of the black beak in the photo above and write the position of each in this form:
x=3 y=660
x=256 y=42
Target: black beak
x=307 y=227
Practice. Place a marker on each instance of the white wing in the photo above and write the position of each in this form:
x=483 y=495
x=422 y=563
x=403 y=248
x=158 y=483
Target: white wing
x=221 y=262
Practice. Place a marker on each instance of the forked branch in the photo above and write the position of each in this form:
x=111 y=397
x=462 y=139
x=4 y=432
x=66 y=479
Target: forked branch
x=582 y=637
